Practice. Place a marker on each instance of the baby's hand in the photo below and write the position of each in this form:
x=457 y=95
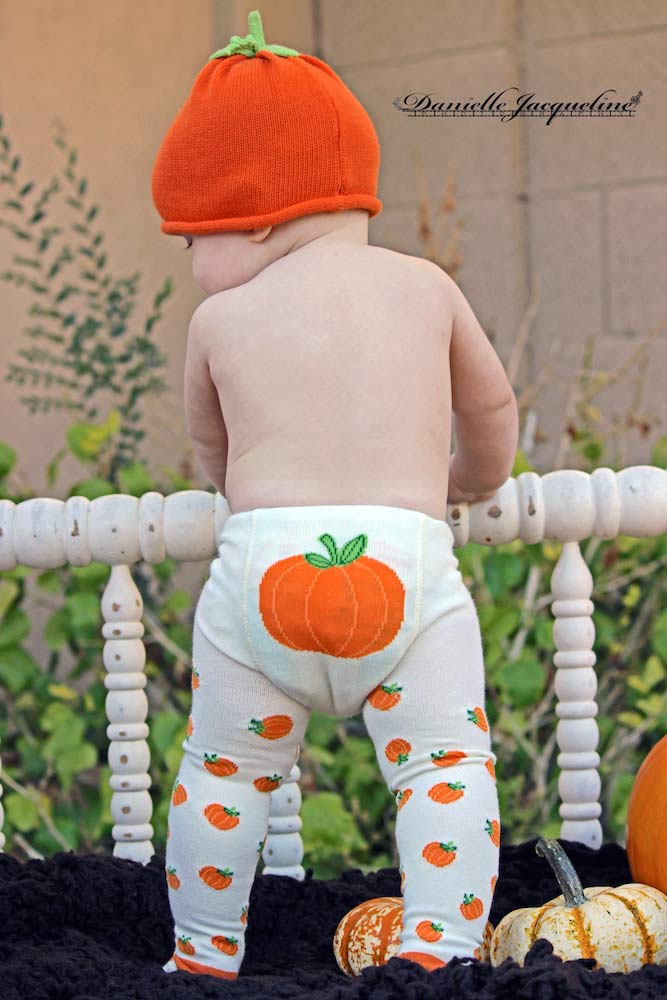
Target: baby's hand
x=456 y=494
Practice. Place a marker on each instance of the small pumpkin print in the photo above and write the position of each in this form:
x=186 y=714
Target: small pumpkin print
x=402 y=798
x=348 y=605
x=447 y=758
x=272 y=727
x=244 y=914
x=492 y=827
x=183 y=944
x=268 y=784
x=397 y=751
x=472 y=906
x=190 y=728
x=385 y=696
x=222 y=817
x=428 y=931
x=180 y=795
x=217 y=878
x=440 y=854
x=477 y=716
x=229 y=945
x=194 y=682
x=494 y=879
x=402 y=877
x=488 y=764
x=220 y=766
x=446 y=791
x=173 y=880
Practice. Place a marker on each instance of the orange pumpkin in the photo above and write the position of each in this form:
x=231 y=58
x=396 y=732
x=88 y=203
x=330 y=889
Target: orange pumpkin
x=447 y=758
x=266 y=783
x=183 y=944
x=369 y=934
x=446 y=791
x=349 y=605
x=429 y=931
x=402 y=798
x=439 y=854
x=221 y=766
x=222 y=817
x=173 y=879
x=217 y=878
x=180 y=795
x=477 y=716
x=492 y=827
x=227 y=944
x=385 y=696
x=272 y=727
x=397 y=750
x=472 y=906
x=646 y=819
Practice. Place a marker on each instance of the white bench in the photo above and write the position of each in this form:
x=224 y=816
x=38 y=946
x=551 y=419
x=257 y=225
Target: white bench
x=567 y=506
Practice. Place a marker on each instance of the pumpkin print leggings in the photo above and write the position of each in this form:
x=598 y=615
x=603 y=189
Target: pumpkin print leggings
x=345 y=609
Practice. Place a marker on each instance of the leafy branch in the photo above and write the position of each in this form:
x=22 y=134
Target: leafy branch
x=83 y=315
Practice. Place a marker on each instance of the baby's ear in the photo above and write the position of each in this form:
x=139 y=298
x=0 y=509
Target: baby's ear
x=260 y=233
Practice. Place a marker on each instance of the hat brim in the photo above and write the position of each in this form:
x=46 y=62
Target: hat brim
x=337 y=203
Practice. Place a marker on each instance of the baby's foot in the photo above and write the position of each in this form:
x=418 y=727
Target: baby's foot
x=429 y=962
x=176 y=964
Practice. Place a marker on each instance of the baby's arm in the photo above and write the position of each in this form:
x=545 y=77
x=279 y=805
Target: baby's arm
x=203 y=416
x=485 y=408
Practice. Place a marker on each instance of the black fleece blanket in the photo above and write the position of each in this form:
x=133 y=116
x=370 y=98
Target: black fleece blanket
x=87 y=927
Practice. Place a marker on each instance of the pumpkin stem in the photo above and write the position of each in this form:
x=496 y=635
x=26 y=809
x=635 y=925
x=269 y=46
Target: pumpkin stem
x=563 y=869
x=256 y=30
x=252 y=43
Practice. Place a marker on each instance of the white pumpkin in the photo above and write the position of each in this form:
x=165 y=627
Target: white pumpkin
x=369 y=934
x=622 y=927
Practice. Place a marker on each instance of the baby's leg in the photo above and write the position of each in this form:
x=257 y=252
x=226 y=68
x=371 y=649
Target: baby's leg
x=243 y=737
x=431 y=735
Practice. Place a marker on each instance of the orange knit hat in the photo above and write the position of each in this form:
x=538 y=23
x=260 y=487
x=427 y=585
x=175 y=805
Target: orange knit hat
x=267 y=134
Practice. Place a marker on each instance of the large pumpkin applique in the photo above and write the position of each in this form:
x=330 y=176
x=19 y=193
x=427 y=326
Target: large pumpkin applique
x=349 y=605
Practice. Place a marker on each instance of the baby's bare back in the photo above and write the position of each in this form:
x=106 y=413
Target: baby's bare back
x=332 y=371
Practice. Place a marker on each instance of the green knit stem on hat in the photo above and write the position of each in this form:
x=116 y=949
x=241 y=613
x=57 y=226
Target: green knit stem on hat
x=252 y=43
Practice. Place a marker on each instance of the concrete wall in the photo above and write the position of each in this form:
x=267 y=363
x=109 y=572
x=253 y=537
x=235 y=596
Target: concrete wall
x=573 y=211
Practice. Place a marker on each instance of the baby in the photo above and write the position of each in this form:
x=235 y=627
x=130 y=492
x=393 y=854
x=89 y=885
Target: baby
x=318 y=399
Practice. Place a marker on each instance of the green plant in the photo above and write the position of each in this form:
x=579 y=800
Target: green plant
x=84 y=332
x=52 y=718
x=53 y=740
